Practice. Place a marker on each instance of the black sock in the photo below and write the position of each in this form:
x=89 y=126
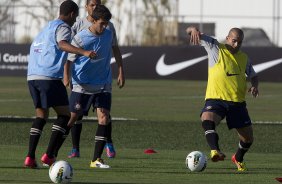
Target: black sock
x=34 y=135
x=61 y=141
x=100 y=141
x=243 y=148
x=75 y=133
x=211 y=135
x=58 y=131
x=109 y=132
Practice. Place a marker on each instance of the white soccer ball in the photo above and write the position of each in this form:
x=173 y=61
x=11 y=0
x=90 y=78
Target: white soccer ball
x=196 y=161
x=61 y=172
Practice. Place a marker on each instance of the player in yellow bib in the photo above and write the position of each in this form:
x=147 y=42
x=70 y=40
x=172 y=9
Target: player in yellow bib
x=228 y=71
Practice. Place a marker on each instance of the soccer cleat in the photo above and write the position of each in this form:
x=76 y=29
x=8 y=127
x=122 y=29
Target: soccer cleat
x=74 y=153
x=46 y=161
x=240 y=165
x=30 y=162
x=110 y=150
x=99 y=163
x=217 y=156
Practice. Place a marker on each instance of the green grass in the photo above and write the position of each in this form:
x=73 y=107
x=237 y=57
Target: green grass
x=132 y=166
x=167 y=114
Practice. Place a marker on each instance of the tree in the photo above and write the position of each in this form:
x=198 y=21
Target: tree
x=43 y=11
x=156 y=24
x=146 y=22
x=7 y=22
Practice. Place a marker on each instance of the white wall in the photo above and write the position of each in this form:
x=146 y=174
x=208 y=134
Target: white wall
x=240 y=13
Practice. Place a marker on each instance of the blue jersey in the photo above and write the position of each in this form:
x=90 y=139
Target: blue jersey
x=93 y=72
x=46 y=58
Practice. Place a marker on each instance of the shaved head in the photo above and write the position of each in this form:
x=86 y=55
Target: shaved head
x=236 y=31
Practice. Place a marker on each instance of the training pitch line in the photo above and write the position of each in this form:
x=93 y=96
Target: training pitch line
x=23 y=118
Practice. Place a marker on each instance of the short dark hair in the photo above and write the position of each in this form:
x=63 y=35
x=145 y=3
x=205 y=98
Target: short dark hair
x=88 y=1
x=67 y=7
x=101 y=12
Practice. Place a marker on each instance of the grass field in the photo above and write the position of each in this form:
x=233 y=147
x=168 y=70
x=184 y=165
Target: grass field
x=164 y=116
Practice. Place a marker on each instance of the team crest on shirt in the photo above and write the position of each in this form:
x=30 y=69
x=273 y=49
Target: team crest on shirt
x=77 y=106
x=209 y=107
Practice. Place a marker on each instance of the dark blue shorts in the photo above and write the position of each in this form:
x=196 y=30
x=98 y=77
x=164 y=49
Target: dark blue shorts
x=236 y=113
x=48 y=93
x=80 y=103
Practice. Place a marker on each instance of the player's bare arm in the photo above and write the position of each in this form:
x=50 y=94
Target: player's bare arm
x=195 y=35
x=254 y=88
x=65 y=46
x=118 y=57
x=67 y=77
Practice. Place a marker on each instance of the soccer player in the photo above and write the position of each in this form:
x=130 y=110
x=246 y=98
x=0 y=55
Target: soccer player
x=78 y=26
x=226 y=91
x=92 y=78
x=44 y=76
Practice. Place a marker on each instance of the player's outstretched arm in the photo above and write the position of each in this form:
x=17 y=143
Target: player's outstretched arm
x=254 y=88
x=195 y=35
x=65 y=46
x=118 y=57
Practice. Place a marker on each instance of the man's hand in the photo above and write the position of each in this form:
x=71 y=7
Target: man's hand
x=195 y=35
x=66 y=82
x=120 y=79
x=67 y=75
x=91 y=54
x=254 y=91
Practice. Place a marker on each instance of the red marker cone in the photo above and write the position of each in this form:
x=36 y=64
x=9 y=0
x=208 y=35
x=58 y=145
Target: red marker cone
x=149 y=151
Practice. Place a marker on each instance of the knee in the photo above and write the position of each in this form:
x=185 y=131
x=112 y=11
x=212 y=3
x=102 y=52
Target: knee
x=104 y=119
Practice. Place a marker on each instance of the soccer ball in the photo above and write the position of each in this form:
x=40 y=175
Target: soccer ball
x=61 y=172
x=196 y=161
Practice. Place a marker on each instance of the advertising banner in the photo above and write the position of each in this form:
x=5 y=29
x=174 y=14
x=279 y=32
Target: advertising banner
x=13 y=59
x=173 y=62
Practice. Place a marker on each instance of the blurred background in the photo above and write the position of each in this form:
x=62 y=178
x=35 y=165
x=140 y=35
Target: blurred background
x=154 y=22
x=151 y=34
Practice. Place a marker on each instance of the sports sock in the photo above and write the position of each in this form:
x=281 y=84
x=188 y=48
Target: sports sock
x=109 y=132
x=100 y=141
x=34 y=135
x=211 y=135
x=61 y=141
x=242 y=149
x=76 y=132
x=58 y=131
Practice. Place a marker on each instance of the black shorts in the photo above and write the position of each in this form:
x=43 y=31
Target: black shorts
x=236 y=113
x=80 y=103
x=48 y=93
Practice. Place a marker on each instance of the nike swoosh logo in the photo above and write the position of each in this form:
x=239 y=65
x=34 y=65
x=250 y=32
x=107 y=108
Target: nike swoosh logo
x=231 y=74
x=96 y=60
x=113 y=60
x=164 y=69
x=36 y=44
x=263 y=66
